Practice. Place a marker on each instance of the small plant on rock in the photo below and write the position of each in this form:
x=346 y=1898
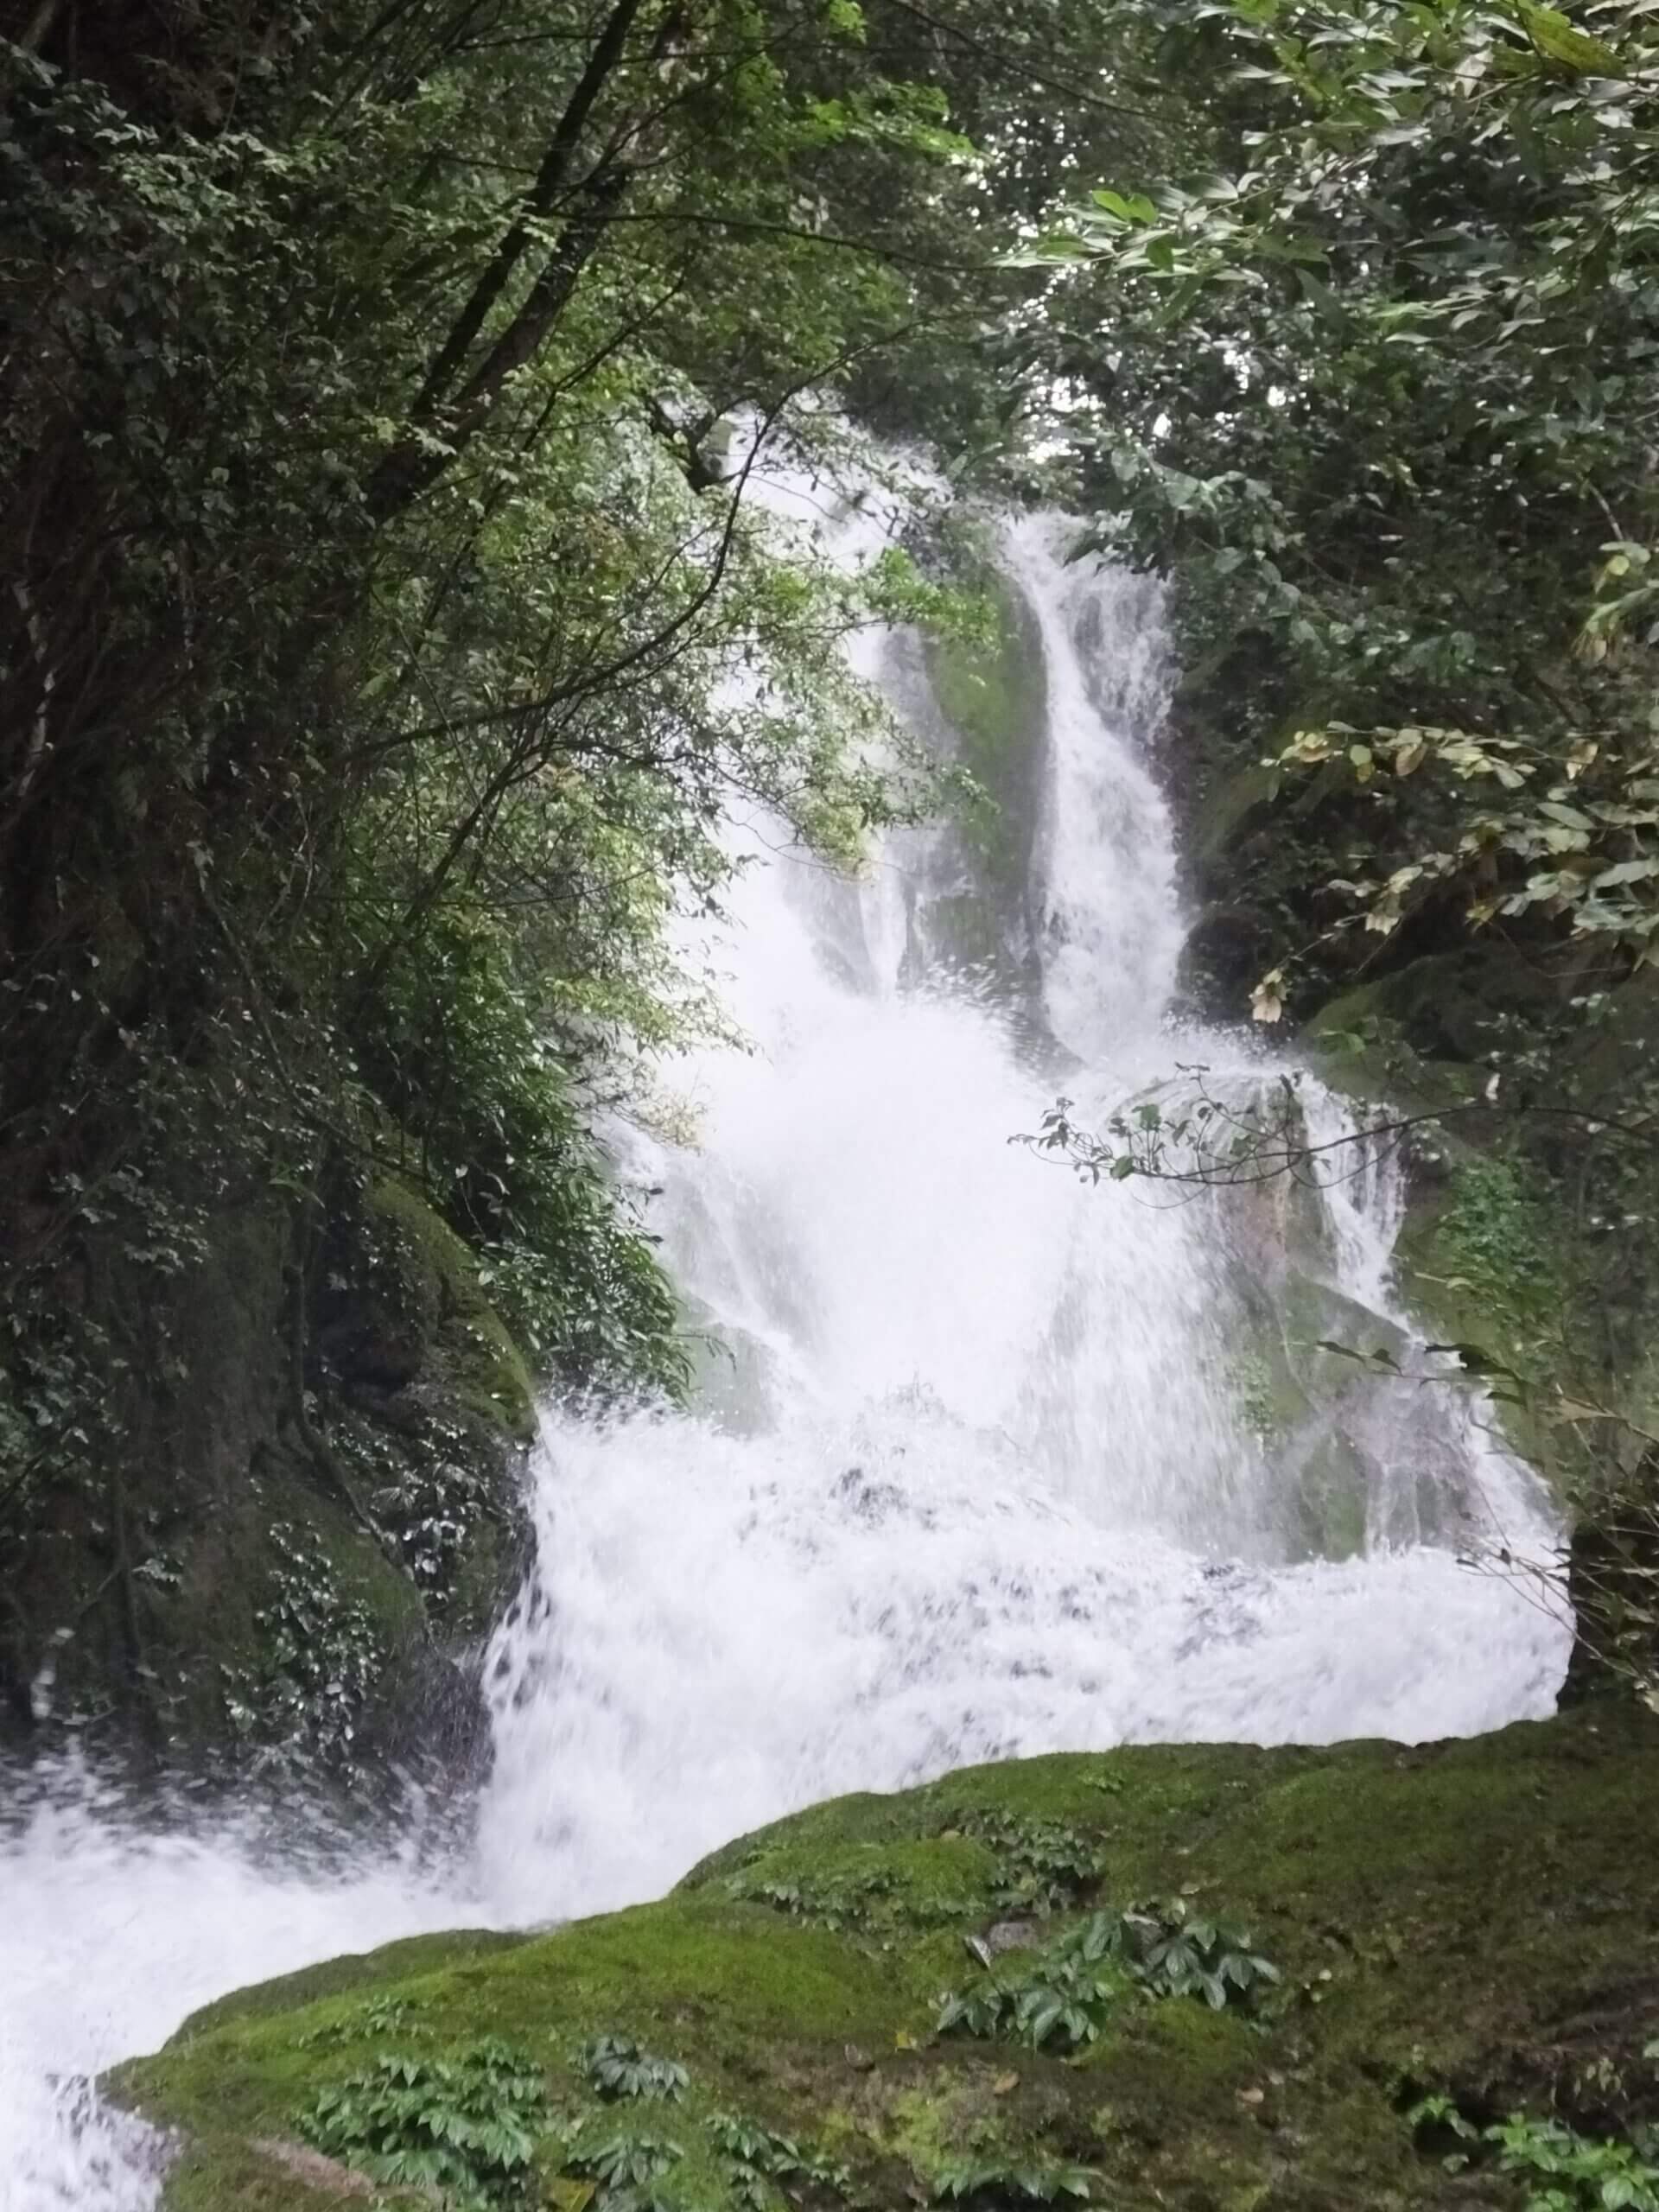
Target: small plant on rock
x=467 y=2127
x=1563 y=2170
x=1063 y=1996
x=622 y=2171
x=623 y=2162
x=381 y=2016
x=761 y=2161
x=1067 y=1993
x=836 y=1905
x=1044 y=1866
x=618 y=2067
x=1175 y=1956
x=1566 y=2171
x=1029 y=2181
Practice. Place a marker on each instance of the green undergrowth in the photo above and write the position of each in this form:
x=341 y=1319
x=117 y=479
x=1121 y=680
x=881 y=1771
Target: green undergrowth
x=1474 y=1921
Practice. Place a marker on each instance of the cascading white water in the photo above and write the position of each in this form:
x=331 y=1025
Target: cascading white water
x=978 y=1483
x=970 y=1477
x=1110 y=928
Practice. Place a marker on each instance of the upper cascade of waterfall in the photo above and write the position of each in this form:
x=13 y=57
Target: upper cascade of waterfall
x=1110 y=925
x=983 y=1462
x=986 y=1463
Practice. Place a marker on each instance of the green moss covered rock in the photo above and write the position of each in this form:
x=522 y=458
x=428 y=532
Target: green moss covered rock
x=409 y=1306
x=1478 y=1919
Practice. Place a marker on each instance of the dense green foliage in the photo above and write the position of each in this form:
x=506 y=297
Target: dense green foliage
x=617 y=2067
x=465 y=2125
x=1563 y=2169
x=1066 y=1992
x=1379 y=378
x=1374 y=377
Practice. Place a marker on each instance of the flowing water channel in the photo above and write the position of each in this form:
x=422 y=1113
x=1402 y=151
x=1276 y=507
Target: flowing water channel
x=985 y=1462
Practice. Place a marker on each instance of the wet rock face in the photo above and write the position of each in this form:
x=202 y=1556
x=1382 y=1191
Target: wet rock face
x=1473 y=1921
x=1360 y=1440
x=236 y=1595
x=1613 y=1572
x=370 y=1348
x=1227 y=949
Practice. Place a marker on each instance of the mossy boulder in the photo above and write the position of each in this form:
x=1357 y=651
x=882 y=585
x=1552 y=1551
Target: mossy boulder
x=1477 y=1918
x=430 y=1408
x=409 y=1307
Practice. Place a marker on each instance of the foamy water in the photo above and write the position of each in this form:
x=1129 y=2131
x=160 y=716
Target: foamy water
x=110 y=1934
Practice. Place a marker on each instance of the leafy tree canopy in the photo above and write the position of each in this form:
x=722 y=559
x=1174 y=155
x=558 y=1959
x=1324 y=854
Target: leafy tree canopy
x=1374 y=375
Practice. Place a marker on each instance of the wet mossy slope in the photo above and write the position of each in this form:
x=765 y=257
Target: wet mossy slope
x=1478 y=1918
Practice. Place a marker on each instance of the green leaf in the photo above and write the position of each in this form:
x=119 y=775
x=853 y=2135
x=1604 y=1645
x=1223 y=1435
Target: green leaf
x=1559 y=39
x=1137 y=208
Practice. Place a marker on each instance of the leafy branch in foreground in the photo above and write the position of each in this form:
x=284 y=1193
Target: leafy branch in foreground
x=1571 y=828
x=1253 y=1132
x=1243 y=1129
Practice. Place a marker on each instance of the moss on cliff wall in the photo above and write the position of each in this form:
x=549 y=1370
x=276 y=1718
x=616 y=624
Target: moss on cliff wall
x=310 y=1498
x=990 y=693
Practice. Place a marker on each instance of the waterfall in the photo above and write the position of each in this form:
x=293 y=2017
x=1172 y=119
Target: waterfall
x=976 y=1468
x=971 y=1477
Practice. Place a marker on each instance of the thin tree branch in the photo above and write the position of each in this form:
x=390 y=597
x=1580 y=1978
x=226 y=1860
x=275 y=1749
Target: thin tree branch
x=535 y=205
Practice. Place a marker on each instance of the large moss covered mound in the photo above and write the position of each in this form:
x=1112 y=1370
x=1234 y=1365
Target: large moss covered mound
x=1479 y=1920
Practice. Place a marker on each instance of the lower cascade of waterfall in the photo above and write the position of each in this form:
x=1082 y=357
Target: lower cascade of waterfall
x=984 y=1462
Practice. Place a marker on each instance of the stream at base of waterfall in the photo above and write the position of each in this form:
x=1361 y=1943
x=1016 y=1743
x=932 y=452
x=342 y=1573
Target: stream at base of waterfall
x=978 y=1465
